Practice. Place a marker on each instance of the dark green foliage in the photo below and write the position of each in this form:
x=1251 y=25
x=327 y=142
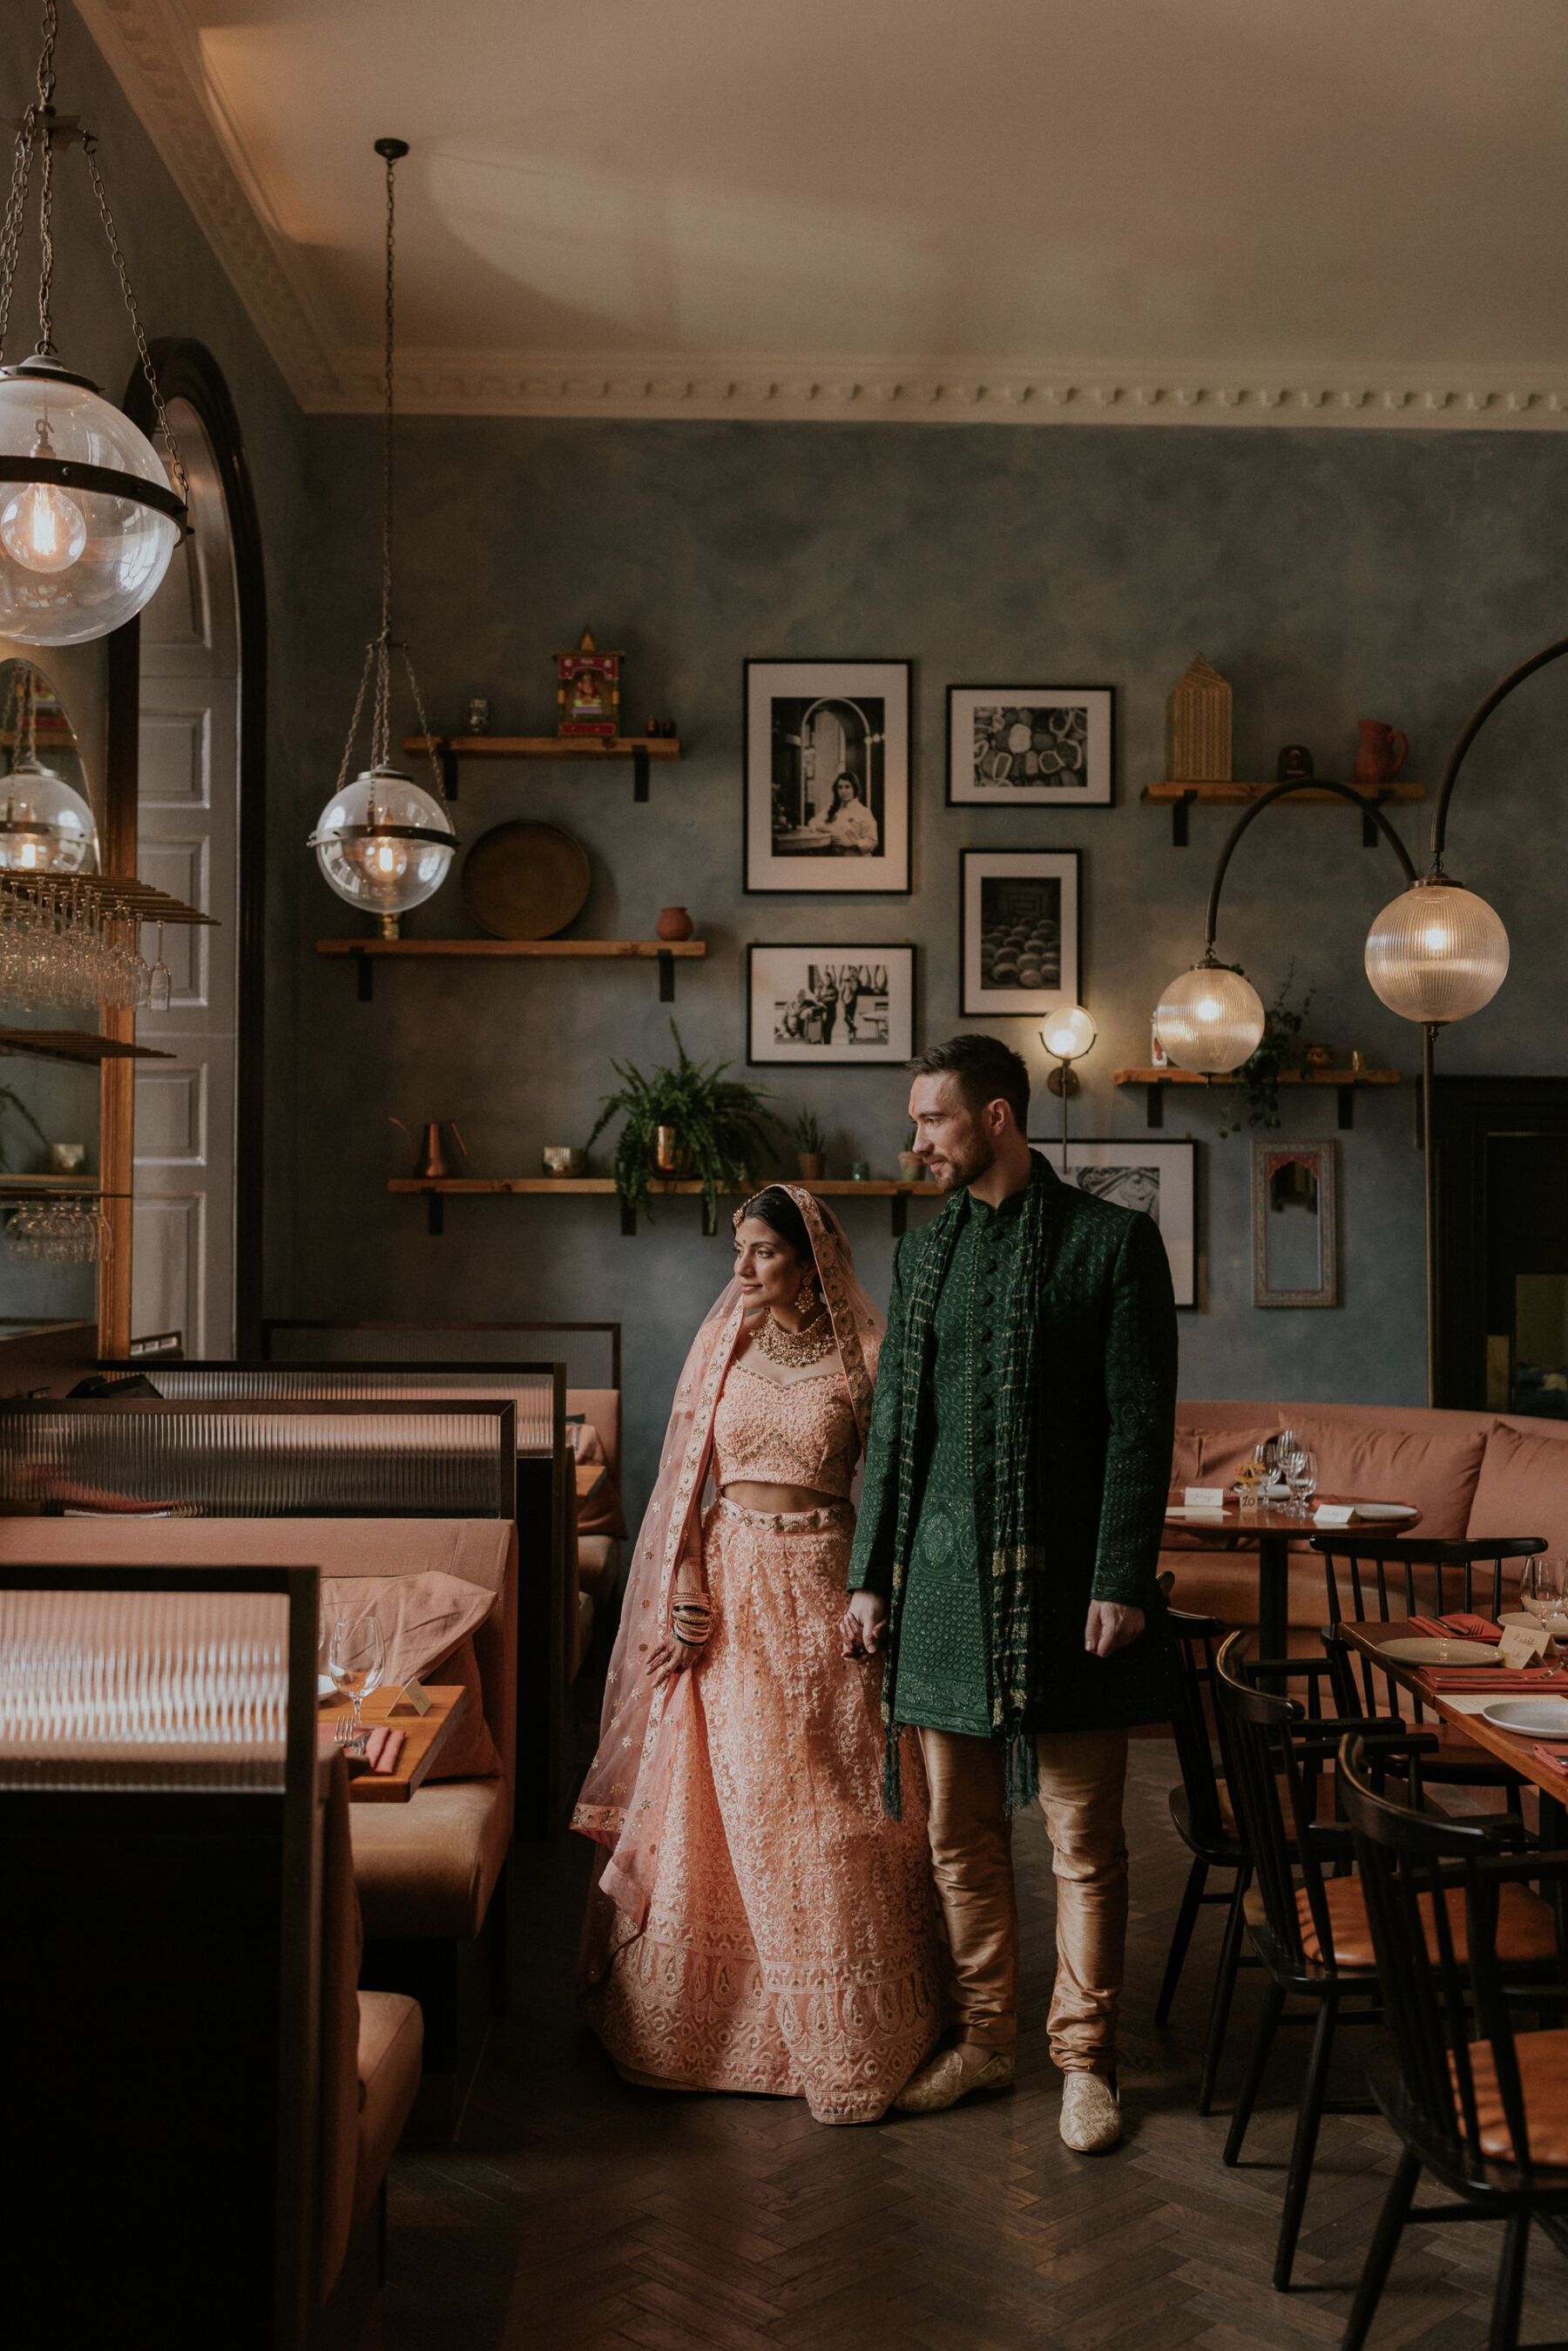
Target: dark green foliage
x=724 y=1133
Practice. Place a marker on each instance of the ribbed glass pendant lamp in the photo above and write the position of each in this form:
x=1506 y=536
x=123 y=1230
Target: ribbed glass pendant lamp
x=46 y=825
x=87 y=519
x=1438 y=953
x=383 y=842
x=1210 y=1019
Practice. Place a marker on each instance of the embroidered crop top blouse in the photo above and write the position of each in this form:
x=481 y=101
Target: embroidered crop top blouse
x=768 y=1434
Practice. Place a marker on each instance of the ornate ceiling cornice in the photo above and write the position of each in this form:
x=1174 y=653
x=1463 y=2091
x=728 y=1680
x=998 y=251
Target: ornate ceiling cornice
x=955 y=392
x=148 y=48
x=151 y=51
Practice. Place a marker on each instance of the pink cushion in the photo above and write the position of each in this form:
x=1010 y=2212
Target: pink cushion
x=600 y=1512
x=1523 y=1489
x=1427 y=1462
x=428 y=1622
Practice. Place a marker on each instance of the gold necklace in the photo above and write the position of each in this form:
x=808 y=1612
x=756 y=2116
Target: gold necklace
x=795 y=1349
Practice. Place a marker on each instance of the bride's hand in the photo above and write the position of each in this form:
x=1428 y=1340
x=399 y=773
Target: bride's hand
x=671 y=1658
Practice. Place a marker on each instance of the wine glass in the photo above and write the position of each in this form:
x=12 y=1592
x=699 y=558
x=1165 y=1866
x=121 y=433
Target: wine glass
x=1300 y=1471
x=1541 y=1590
x=356 y=1664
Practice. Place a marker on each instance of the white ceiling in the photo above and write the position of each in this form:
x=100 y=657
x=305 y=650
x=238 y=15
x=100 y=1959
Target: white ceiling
x=1165 y=210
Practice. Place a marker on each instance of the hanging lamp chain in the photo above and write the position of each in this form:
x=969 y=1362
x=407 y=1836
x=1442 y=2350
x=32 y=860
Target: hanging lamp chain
x=37 y=128
x=391 y=162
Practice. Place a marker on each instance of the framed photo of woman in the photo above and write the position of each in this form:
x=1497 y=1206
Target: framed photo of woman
x=1018 y=932
x=828 y=776
x=828 y=1005
x=1030 y=746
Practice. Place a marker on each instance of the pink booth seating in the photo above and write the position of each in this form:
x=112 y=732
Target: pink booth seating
x=424 y=1871
x=1469 y=1474
x=593 y=1418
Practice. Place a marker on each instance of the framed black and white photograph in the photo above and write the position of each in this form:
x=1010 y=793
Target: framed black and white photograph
x=1030 y=746
x=1160 y=1178
x=828 y=776
x=1018 y=932
x=829 y=1005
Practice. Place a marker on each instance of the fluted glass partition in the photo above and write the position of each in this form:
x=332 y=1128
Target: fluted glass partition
x=266 y=1459
x=144 y=1689
x=530 y=1387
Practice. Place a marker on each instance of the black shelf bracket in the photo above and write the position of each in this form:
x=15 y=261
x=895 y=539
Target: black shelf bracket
x=1179 y=825
x=666 y=977
x=1154 y=1106
x=1346 y=1105
x=628 y=1220
x=367 y=971
x=447 y=759
x=900 y=1207
x=435 y=1215
x=640 y=772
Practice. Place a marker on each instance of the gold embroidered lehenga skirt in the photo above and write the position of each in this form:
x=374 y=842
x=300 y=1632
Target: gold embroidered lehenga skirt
x=789 y=1946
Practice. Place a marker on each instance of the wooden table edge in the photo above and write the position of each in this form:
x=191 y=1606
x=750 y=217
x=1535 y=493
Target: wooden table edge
x=397 y=1787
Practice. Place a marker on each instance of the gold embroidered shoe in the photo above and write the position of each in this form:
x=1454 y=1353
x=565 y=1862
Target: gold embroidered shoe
x=941 y=2081
x=1091 y=2115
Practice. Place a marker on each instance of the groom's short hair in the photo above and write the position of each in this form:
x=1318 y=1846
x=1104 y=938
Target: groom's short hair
x=986 y=1070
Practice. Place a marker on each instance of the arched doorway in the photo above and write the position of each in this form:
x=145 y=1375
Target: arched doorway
x=196 y=1219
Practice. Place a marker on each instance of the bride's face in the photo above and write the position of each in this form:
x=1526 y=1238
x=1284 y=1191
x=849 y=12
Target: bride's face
x=766 y=1268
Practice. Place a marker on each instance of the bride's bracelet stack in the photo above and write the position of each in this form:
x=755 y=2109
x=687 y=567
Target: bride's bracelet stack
x=691 y=1621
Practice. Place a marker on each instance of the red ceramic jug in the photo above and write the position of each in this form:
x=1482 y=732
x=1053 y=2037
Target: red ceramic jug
x=1382 y=752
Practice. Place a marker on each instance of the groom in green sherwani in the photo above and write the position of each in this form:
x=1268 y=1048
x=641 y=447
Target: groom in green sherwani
x=1016 y=1476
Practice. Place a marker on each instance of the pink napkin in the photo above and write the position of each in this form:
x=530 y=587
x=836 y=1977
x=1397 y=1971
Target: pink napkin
x=1551 y=1679
x=1457 y=1628
x=383 y=1748
x=1559 y=1762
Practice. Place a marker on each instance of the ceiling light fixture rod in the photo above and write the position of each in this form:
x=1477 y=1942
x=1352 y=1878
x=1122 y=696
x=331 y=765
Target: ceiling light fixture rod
x=1471 y=728
x=1367 y=806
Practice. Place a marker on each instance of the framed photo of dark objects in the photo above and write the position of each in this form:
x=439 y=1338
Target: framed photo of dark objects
x=1018 y=932
x=828 y=1006
x=1030 y=746
x=828 y=776
x=1158 y=1178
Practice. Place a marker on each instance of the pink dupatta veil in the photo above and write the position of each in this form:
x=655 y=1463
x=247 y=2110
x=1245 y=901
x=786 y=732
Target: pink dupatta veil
x=626 y=1793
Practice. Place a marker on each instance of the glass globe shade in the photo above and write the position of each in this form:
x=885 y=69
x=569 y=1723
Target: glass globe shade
x=383 y=844
x=1068 y=1035
x=45 y=826
x=1210 y=1019
x=75 y=560
x=1438 y=953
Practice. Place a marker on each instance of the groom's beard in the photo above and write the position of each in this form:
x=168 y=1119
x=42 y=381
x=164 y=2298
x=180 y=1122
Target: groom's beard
x=969 y=1162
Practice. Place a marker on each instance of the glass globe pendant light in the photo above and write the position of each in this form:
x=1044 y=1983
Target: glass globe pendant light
x=383 y=842
x=1438 y=953
x=87 y=519
x=46 y=825
x=1211 y=1020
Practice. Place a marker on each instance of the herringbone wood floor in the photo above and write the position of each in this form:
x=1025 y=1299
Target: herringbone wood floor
x=577 y=2212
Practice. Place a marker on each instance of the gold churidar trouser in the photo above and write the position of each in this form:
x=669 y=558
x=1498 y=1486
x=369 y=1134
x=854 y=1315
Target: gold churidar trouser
x=1081 y=1778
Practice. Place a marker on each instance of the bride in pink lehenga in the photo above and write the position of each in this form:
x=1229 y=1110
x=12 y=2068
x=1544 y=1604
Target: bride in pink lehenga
x=760 y=1925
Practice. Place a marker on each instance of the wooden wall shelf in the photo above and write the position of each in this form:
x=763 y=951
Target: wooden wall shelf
x=1346 y=1082
x=640 y=750
x=437 y=1188
x=366 y=953
x=1178 y=798
x=78 y=1045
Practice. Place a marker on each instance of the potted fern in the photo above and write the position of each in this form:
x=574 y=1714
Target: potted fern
x=718 y=1130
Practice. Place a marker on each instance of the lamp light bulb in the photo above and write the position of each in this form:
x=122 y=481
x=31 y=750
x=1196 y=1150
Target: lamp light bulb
x=1436 y=953
x=1210 y=1019
x=42 y=529
x=1068 y=1035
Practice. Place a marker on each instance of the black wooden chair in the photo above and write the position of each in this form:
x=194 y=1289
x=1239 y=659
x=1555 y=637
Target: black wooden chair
x=1206 y=1822
x=1482 y=2110
x=1431 y=1578
x=1309 y=1932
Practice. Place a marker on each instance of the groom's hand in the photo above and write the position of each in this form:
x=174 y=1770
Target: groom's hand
x=864 y=1625
x=1110 y=1628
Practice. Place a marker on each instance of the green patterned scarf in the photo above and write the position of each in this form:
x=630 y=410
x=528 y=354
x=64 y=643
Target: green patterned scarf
x=1018 y=1555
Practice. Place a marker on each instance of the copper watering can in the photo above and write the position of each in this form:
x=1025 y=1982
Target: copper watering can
x=430 y=1160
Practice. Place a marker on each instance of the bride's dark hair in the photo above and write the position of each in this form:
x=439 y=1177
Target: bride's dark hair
x=776 y=1209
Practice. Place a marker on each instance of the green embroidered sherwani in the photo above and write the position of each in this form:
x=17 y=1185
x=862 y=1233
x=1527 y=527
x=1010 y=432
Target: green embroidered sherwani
x=1096 y=1452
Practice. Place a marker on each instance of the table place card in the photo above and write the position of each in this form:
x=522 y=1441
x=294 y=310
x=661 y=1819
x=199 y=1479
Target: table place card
x=1521 y=1645
x=1335 y=1515
x=1204 y=1498
x=1470 y=1704
x=418 y=1697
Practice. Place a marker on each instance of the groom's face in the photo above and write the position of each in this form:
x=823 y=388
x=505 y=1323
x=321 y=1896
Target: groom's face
x=948 y=1135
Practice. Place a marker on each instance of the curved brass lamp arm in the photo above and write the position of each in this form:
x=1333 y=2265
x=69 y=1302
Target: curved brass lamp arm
x=1304 y=784
x=1472 y=728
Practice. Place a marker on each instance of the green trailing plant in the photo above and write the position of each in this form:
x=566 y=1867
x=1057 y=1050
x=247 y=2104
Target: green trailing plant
x=724 y=1133
x=1278 y=1051
x=808 y=1133
x=11 y=1099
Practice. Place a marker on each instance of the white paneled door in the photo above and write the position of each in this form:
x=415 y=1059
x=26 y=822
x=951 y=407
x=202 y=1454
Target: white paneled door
x=182 y=1270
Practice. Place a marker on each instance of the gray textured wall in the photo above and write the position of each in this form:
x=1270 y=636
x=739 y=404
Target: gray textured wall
x=1329 y=576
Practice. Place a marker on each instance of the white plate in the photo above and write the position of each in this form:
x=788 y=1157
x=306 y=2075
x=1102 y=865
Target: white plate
x=1542 y=1717
x=1370 y=1511
x=324 y=1685
x=1423 y=1650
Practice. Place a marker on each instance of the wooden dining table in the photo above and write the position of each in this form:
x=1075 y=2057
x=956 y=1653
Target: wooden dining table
x=1515 y=1749
x=1274 y=1528
x=424 y=1736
